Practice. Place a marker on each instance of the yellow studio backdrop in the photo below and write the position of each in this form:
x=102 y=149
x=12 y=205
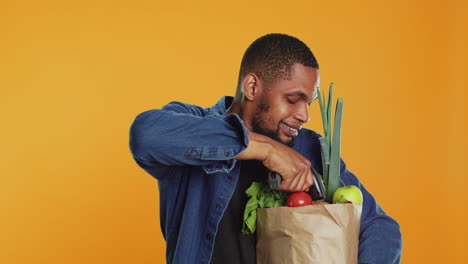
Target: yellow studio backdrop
x=73 y=76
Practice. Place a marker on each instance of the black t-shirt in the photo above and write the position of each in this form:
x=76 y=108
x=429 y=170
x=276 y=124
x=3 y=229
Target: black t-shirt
x=231 y=246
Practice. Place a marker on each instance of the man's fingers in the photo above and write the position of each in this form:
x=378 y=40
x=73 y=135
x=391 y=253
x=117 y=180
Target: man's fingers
x=302 y=179
x=292 y=166
x=309 y=180
x=284 y=186
x=297 y=182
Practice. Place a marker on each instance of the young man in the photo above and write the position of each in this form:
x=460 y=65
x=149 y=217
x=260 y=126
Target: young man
x=205 y=158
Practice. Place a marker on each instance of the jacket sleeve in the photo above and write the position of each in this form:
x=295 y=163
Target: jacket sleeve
x=380 y=238
x=181 y=134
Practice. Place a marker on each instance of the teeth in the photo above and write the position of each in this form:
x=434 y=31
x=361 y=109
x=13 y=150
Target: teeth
x=290 y=128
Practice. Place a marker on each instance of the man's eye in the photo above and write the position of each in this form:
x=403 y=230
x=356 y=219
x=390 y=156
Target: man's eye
x=291 y=101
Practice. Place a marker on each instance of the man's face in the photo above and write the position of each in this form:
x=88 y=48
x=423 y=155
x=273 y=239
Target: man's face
x=284 y=105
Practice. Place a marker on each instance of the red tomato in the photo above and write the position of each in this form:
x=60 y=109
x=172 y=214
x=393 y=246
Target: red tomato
x=299 y=199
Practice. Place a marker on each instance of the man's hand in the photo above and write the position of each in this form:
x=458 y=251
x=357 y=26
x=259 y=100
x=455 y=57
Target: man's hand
x=277 y=157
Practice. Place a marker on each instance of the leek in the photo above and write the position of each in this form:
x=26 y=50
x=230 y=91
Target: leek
x=330 y=147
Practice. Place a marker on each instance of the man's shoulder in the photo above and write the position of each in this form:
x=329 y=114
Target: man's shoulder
x=306 y=134
x=181 y=107
x=307 y=143
x=307 y=138
x=219 y=108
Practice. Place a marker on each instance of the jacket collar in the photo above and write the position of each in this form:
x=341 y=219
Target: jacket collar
x=221 y=106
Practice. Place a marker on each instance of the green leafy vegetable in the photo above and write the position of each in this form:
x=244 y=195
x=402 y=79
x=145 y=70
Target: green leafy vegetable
x=260 y=197
x=334 y=170
x=330 y=146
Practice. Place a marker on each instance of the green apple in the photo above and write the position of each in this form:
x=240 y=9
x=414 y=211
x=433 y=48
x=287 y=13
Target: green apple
x=350 y=193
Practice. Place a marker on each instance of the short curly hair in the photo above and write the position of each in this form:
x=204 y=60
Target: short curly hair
x=272 y=56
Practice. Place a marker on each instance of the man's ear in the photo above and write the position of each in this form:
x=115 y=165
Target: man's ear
x=250 y=86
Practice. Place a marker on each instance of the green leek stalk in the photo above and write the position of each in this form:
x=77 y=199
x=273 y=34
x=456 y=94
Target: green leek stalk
x=330 y=147
x=334 y=170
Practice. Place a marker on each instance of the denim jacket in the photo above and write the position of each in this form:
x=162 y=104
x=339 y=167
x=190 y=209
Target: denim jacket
x=191 y=151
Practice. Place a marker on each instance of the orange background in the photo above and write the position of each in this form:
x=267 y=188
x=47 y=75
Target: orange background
x=74 y=75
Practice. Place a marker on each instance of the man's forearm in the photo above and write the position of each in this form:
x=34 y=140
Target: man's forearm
x=258 y=148
x=175 y=136
x=293 y=167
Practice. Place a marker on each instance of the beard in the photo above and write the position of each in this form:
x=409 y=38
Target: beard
x=259 y=122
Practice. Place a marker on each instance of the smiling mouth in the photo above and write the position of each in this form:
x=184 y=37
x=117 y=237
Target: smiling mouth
x=290 y=131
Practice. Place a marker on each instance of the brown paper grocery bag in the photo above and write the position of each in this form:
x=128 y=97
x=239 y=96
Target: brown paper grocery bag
x=309 y=234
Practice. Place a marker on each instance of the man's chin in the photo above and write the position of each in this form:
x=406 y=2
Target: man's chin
x=289 y=141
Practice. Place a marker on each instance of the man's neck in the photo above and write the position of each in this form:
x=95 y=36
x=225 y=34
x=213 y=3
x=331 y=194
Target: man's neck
x=235 y=108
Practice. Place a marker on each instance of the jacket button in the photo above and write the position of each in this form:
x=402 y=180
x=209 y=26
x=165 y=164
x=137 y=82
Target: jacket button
x=227 y=153
x=230 y=177
x=218 y=205
x=209 y=236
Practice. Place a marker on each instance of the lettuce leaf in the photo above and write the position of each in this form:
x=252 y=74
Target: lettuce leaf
x=260 y=197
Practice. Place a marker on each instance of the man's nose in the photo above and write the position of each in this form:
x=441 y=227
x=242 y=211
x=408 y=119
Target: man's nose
x=302 y=114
